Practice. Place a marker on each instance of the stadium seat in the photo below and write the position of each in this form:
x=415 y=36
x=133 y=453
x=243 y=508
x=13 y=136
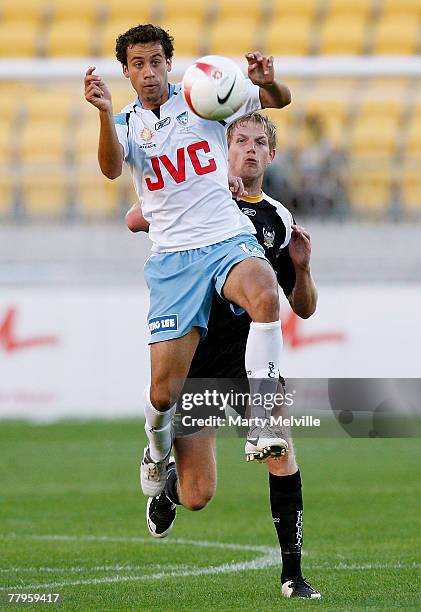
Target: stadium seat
x=134 y=11
x=251 y=9
x=402 y=7
x=97 y=197
x=188 y=35
x=19 y=38
x=7 y=192
x=396 y=35
x=43 y=141
x=340 y=35
x=413 y=138
x=374 y=136
x=411 y=187
x=333 y=112
x=82 y=10
x=361 y=8
x=85 y=139
x=223 y=42
x=70 y=38
x=292 y=8
x=374 y=106
x=29 y=10
x=106 y=36
x=191 y=9
x=10 y=105
x=370 y=189
x=288 y=36
x=41 y=103
x=45 y=195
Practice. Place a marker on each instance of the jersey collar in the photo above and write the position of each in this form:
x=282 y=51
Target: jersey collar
x=252 y=199
x=171 y=92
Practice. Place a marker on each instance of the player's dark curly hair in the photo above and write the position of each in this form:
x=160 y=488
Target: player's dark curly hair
x=141 y=34
x=255 y=117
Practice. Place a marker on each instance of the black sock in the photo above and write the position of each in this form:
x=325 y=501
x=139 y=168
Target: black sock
x=170 y=488
x=286 y=503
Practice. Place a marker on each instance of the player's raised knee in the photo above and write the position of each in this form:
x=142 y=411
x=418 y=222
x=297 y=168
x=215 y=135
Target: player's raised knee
x=265 y=305
x=197 y=500
x=161 y=397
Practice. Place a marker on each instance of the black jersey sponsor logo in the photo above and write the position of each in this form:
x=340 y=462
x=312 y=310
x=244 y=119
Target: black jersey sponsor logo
x=248 y=211
x=269 y=237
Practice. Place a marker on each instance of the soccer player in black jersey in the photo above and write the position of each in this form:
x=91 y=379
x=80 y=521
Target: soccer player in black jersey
x=252 y=145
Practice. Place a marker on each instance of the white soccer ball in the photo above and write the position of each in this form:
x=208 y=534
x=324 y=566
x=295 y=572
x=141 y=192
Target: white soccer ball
x=214 y=87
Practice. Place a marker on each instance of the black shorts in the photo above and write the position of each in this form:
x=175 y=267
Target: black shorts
x=214 y=368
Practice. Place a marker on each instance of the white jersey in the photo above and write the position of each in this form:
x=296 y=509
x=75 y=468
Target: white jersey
x=179 y=164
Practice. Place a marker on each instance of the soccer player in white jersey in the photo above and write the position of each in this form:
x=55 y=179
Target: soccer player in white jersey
x=201 y=240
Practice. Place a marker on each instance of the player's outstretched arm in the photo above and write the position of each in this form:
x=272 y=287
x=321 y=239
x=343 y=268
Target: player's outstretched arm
x=262 y=73
x=303 y=298
x=135 y=220
x=110 y=151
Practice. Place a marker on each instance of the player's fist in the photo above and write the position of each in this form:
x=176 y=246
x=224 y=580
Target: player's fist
x=300 y=247
x=96 y=91
x=135 y=220
x=236 y=186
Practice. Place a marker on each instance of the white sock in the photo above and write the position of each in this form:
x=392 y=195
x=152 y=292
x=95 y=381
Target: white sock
x=263 y=361
x=158 y=428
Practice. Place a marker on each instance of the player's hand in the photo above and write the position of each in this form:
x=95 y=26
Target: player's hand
x=260 y=69
x=96 y=91
x=300 y=247
x=135 y=220
x=237 y=187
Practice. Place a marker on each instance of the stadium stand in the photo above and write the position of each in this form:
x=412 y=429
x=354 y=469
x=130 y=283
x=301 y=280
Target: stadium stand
x=375 y=123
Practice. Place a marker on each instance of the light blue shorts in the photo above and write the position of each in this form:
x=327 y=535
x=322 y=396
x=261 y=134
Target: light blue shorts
x=181 y=284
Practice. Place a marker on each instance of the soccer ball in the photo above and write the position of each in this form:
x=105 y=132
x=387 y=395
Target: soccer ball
x=214 y=87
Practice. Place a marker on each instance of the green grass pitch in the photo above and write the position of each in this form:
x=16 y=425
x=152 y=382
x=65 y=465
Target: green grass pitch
x=72 y=522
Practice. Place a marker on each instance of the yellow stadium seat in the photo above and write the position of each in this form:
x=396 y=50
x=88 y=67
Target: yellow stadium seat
x=413 y=138
x=45 y=195
x=6 y=141
x=69 y=39
x=288 y=36
x=97 y=197
x=43 y=141
x=19 y=39
x=380 y=107
x=7 y=193
x=372 y=136
x=85 y=140
x=223 y=42
x=403 y=7
x=396 y=35
x=83 y=10
x=191 y=9
x=233 y=9
x=333 y=112
x=135 y=11
x=29 y=10
x=370 y=189
x=41 y=103
x=360 y=8
x=411 y=186
x=9 y=105
x=188 y=36
x=289 y=8
x=340 y=35
x=106 y=37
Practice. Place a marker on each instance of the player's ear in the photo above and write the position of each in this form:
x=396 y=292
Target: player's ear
x=125 y=71
x=169 y=65
x=272 y=155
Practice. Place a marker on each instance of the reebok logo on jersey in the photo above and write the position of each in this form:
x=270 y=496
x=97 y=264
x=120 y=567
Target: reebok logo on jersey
x=162 y=123
x=163 y=323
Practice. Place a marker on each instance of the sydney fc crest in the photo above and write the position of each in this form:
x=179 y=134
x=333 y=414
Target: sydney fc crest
x=183 y=118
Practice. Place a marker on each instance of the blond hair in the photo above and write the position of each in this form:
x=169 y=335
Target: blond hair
x=255 y=117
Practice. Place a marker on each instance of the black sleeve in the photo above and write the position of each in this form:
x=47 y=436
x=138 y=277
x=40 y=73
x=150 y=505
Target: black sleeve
x=285 y=271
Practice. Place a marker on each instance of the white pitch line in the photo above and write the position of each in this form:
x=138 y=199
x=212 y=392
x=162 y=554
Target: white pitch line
x=269 y=558
x=80 y=569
